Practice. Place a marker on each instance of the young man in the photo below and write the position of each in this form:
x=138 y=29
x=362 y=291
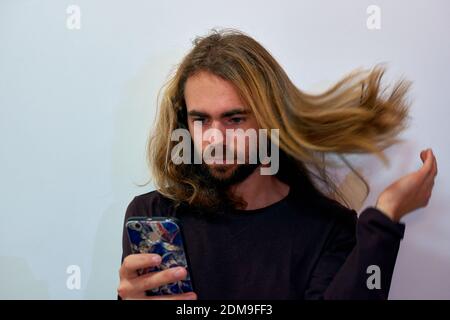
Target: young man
x=251 y=235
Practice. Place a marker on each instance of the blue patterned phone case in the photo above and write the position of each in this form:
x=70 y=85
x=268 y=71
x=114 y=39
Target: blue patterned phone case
x=160 y=235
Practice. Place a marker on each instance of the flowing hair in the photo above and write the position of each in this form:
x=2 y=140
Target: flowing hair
x=355 y=115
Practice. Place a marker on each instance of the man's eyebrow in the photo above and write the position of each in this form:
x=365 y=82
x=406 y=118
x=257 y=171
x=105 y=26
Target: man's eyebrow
x=237 y=111
x=196 y=113
x=234 y=112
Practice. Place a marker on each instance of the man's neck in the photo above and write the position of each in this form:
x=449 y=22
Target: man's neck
x=260 y=191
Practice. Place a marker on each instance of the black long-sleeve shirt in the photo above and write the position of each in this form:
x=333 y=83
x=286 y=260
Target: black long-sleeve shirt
x=300 y=247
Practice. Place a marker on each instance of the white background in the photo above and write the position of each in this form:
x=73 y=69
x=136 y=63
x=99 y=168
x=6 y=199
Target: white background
x=76 y=107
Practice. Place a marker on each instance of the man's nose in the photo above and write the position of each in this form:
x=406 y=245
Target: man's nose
x=218 y=132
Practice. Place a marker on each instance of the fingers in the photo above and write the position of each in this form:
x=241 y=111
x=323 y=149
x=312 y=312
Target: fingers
x=127 y=291
x=435 y=166
x=159 y=278
x=183 y=296
x=429 y=163
x=133 y=295
x=136 y=287
x=134 y=262
x=424 y=195
x=427 y=185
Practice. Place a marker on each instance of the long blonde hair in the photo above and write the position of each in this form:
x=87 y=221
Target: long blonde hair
x=356 y=115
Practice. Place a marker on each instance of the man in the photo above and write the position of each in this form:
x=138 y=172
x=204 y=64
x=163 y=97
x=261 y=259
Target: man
x=251 y=235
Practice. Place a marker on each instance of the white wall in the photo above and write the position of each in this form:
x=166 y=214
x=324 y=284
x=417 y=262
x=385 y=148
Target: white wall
x=76 y=107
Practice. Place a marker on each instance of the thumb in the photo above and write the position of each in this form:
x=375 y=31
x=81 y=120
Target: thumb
x=427 y=160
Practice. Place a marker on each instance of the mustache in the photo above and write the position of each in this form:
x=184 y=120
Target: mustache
x=224 y=148
x=221 y=151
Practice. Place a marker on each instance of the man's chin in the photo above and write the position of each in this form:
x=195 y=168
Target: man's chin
x=227 y=175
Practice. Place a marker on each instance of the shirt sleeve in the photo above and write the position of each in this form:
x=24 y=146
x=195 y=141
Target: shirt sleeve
x=350 y=258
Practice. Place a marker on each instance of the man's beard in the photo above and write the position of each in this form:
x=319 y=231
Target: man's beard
x=225 y=176
x=214 y=185
x=214 y=182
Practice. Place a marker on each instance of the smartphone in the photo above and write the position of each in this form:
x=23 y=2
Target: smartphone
x=163 y=236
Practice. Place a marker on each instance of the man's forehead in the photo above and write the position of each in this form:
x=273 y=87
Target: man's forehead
x=210 y=94
x=208 y=102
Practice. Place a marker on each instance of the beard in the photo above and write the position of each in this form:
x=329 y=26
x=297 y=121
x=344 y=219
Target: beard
x=214 y=182
x=225 y=176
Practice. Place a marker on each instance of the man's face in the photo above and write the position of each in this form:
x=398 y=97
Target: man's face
x=216 y=104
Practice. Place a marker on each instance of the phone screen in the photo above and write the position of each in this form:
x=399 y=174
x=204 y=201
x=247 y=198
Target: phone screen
x=162 y=236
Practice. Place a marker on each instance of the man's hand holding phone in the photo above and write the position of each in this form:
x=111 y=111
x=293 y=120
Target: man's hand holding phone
x=134 y=286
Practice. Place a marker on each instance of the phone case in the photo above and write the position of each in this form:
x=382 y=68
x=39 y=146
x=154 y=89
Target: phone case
x=163 y=236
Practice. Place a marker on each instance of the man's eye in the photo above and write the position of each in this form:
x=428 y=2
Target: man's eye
x=202 y=120
x=236 y=120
